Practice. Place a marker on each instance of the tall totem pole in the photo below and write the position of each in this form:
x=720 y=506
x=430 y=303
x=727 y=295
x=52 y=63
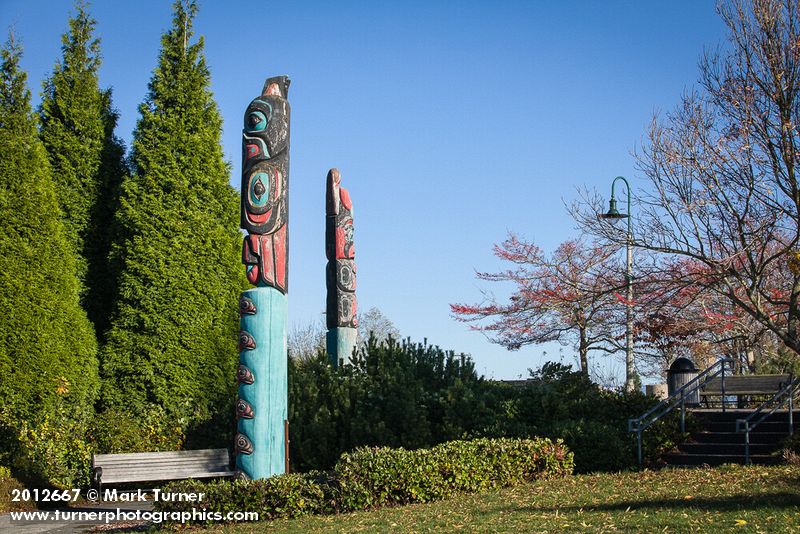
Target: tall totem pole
x=340 y=276
x=261 y=408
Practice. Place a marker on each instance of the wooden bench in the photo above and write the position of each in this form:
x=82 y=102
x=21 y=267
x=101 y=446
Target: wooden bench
x=154 y=466
x=741 y=385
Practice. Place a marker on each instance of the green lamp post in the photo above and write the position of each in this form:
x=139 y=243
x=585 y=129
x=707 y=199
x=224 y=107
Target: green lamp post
x=613 y=213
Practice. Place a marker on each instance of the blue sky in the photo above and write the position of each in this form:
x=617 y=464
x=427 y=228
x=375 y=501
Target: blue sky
x=451 y=123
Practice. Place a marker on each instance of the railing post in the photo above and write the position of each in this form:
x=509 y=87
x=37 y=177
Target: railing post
x=639 y=448
x=722 y=399
x=791 y=410
x=747 y=442
x=683 y=413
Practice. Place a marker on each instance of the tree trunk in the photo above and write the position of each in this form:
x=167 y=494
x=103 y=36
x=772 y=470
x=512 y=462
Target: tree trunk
x=583 y=352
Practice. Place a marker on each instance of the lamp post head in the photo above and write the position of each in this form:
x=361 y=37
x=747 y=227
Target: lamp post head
x=613 y=212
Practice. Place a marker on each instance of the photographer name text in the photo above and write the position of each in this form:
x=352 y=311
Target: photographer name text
x=112 y=495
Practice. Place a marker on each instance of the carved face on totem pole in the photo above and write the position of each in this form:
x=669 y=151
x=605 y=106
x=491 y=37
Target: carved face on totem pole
x=265 y=180
x=340 y=250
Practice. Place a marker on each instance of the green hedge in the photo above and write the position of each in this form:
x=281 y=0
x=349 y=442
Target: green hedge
x=377 y=477
x=374 y=477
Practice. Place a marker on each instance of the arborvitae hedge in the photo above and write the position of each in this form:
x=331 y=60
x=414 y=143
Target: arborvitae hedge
x=78 y=124
x=47 y=346
x=172 y=341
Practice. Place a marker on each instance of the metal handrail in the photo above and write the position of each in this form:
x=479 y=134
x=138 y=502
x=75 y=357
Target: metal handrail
x=746 y=425
x=678 y=398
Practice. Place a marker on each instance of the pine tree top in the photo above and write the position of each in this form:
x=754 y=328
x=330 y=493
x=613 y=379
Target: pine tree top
x=15 y=97
x=72 y=89
x=79 y=49
x=182 y=74
x=179 y=110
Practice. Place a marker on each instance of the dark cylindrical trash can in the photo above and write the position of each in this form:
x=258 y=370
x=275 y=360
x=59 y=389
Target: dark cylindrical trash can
x=681 y=372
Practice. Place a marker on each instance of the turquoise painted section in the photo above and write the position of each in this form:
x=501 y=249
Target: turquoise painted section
x=268 y=394
x=261 y=201
x=259 y=126
x=340 y=343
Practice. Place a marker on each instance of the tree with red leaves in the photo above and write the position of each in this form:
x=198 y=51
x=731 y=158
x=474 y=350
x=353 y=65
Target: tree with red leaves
x=679 y=317
x=566 y=297
x=721 y=207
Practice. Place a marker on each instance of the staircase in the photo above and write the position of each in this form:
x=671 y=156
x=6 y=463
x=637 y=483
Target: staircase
x=716 y=441
x=727 y=436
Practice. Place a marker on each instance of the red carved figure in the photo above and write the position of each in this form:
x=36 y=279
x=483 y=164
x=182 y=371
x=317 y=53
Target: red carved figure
x=339 y=248
x=265 y=174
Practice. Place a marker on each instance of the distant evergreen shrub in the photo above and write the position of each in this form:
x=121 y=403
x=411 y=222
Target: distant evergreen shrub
x=561 y=403
x=172 y=340
x=417 y=395
x=391 y=394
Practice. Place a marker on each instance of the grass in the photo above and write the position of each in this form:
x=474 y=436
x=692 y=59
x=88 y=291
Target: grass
x=724 y=499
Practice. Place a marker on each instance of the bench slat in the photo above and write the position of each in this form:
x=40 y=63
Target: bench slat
x=174 y=475
x=164 y=469
x=169 y=465
x=147 y=456
x=218 y=459
x=746 y=385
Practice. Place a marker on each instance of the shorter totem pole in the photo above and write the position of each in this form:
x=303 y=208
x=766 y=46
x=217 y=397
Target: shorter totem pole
x=261 y=408
x=341 y=271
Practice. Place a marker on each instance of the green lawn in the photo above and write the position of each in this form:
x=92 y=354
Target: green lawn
x=725 y=499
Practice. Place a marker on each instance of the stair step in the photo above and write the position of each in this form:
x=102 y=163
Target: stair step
x=733 y=415
x=735 y=437
x=716 y=441
x=727 y=448
x=678 y=458
x=730 y=426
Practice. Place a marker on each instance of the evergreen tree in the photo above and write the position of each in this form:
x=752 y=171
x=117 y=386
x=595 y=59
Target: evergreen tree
x=172 y=341
x=47 y=347
x=77 y=129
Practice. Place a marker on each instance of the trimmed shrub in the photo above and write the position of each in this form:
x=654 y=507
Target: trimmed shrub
x=377 y=477
x=374 y=477
x=292 y=495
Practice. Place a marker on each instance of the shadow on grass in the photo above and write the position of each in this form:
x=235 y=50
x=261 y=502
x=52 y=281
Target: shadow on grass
x=716 y=504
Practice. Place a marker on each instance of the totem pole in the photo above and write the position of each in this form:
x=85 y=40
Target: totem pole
x=261 y=408
x=341 y=271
